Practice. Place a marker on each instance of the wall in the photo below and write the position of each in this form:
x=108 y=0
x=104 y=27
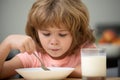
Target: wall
x=103 y=11
x=13 y=14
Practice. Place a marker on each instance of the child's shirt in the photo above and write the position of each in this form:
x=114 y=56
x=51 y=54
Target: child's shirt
x=72 y=60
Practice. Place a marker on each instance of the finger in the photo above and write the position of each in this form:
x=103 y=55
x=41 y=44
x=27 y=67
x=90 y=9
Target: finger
x=22 y=49
x=32 y=46
x=27 y=47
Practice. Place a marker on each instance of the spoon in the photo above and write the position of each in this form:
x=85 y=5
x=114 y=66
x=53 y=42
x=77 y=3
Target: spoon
x=42 y=65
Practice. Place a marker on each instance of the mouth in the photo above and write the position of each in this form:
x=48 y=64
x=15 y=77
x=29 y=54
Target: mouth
x=55 y=49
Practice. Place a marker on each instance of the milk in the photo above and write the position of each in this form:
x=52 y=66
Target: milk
x=93 y=66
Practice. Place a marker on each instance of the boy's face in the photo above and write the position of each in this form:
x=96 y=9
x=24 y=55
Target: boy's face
x=55 y=41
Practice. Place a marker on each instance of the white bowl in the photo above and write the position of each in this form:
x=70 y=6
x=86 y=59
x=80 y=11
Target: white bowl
x=39 y=73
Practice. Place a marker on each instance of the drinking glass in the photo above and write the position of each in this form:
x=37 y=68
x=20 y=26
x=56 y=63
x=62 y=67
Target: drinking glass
x=93 y=63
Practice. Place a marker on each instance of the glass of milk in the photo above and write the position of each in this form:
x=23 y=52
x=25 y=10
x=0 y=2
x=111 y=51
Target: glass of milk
x=93 y=64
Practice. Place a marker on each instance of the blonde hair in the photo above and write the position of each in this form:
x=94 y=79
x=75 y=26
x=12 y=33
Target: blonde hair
x=71 y=13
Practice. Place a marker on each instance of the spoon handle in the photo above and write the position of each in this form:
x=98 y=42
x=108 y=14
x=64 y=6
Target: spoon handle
x=42 y=65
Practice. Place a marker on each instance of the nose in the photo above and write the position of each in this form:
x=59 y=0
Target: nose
x=54 y=41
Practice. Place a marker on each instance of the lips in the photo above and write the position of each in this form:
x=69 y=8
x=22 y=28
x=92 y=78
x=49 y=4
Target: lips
x=54 y=49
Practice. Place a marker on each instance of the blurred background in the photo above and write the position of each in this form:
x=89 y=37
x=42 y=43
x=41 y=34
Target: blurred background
x=104 y=19
x=13 y=14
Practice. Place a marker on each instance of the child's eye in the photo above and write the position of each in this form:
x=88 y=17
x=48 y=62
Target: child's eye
x=46 y=34
x=62 y=35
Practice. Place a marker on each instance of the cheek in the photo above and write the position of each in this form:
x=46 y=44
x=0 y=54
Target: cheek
x=43 y=43
x=42 y=40
x=67 y=43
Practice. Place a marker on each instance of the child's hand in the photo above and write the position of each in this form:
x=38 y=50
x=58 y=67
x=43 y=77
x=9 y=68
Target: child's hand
x=21 y=42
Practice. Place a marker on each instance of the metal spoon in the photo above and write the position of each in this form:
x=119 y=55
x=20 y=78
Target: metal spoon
x=42 y=65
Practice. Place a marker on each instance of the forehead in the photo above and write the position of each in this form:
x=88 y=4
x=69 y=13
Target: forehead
x=54 y=27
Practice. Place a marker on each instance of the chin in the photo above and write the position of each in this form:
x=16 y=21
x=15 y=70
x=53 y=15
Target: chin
x=57 y=56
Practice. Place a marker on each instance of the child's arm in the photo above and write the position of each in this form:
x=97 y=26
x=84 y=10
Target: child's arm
x=21 y=42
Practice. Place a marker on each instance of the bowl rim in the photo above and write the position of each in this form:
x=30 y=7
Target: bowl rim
x=52 y=68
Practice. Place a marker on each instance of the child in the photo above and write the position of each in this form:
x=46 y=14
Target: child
x=56 y=31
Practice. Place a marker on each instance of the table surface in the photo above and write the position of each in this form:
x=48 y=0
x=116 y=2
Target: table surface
x=114 y=78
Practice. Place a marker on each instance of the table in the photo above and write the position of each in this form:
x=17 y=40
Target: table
x=114 y=78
